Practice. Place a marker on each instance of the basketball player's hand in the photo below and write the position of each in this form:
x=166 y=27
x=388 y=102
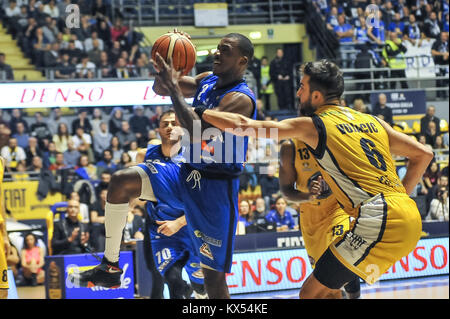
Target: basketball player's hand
x=168 y=227
x=167 y=74
x=315 y=188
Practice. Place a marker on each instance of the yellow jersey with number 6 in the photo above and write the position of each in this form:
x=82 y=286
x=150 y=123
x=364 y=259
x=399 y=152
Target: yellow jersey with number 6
x=354 y=151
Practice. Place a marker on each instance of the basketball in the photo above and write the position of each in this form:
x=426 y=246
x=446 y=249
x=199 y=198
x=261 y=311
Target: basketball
x=177 y=46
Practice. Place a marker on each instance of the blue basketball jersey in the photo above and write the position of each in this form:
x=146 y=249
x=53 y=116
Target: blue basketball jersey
x=164 y=174
x=226 y=153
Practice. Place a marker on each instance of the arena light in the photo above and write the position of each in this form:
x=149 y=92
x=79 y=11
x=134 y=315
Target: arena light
x=255 y=35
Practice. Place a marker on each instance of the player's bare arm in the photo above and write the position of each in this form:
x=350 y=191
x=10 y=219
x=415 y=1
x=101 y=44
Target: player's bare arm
x=288 y=175
x=302 y=127
x=419 y=156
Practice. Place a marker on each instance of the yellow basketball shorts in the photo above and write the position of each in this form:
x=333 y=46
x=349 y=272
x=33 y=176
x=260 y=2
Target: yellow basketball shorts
x=387 y=228
x=321 y=223
x=3 y=266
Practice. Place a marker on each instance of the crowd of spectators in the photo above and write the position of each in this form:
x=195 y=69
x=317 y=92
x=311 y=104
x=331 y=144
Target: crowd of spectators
x=378 y=33
x=88 y=46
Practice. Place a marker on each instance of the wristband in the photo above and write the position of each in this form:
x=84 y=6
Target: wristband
x=200 y=110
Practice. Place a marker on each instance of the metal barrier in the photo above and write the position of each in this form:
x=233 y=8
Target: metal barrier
x=181 y=12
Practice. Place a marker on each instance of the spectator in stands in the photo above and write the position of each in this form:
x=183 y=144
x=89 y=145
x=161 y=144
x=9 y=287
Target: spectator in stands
x=431 y=25
x=12 y=12
x=70 y=235
x=431 y=175
x=72 y=155
x=6 y=71
x=358 y=105
x=106 y=163
x=260 y=210
x=62 y=138
x=393 y=53
x=439 y=143
x=376 y=30
x=13 y=154
x=104 y=66
x=440 y=53
x=49 y=29
x=17 y=116
x=135 y=225
x=84 y=209
x=82 y=121
x=431 y=133
x=49 y=154
x=105 y=179
x=360 y=35
x=125 y=161
x=155 y=118
x=269 y=186
x=97 y=215
x=59 y=162
x=125 y=135
x=133 y=151
x=51 y=58
x=412 y=31
x=65 y=69
x=32 y=260
x=266 y=83
x=115 y=121
x=102 y=139
x=245 y=213
x=85 y=69
x=51 y=9
x=382 y=110
x=140 y=124
x=85 y=169
x=121 y=71
x=73 y=52
x=40 y=44
x=429 y=117
x=280 y=74
x=32 y=150
x=332 y=18
x=5 y=134
x=439 y=205
x=95 y=53
x=397 y=25
x=344 y=32
x=116 y=149
x=281 y=216
x=83 y=142
x=40 y=130
x=21 y=135
x=89 y=42
x=84 y=31
x=153 y=138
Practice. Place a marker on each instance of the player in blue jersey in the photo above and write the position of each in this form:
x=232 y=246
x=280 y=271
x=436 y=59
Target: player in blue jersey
x=214 y=161
x=171 y=243
x=155 y=180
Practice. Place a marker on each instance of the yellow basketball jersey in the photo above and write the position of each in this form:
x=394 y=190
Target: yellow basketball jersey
x=305 y=166
x=353 y=155
x=2 y=171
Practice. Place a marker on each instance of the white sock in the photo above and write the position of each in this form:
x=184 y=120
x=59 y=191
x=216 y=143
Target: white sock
x=115 y=221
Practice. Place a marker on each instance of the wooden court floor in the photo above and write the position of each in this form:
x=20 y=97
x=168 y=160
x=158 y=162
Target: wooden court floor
x=420 y=288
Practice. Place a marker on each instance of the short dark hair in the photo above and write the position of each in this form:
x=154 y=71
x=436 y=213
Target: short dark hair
x=325 y=77
x=167 y=112
x=244 y=44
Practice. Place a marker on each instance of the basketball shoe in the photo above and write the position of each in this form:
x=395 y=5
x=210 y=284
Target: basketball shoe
x=106 y=275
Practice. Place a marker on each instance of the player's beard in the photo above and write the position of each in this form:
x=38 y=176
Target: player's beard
x=306 y=108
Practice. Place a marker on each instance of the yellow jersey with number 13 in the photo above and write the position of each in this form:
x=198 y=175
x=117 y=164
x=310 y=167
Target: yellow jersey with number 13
x=354 y=152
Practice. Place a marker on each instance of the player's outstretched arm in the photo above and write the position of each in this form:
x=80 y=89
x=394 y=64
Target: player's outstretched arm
x=419 y=155
x=301 y=127
x=288 y=174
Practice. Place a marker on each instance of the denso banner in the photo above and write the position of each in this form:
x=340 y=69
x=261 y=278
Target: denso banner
x=288 y=268
x=80 y=94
